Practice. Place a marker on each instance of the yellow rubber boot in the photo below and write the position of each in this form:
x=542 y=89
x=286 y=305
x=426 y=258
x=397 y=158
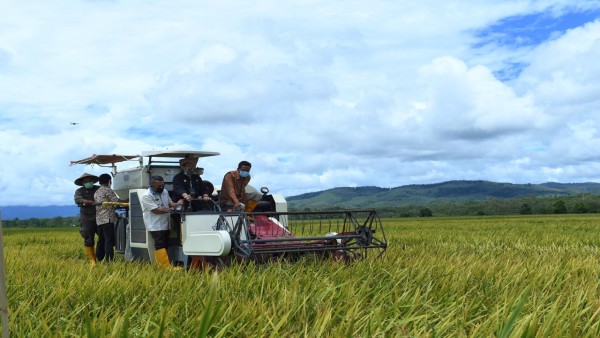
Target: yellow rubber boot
x=195 y=265
x=250 y=205
x=89 y=251
x=162 y=258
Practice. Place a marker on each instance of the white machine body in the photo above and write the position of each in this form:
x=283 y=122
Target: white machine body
x=197 y=236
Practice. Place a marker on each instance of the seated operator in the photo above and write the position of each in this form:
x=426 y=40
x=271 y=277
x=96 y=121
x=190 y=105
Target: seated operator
x=189 y=186
x=233 y=190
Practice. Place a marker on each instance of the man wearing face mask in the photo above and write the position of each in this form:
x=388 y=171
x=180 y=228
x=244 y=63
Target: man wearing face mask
x=84 y=198
x=233 y=195
x=188 y=186
x=156 y=208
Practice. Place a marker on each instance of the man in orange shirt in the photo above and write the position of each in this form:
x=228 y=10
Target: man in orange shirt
x=233 y=195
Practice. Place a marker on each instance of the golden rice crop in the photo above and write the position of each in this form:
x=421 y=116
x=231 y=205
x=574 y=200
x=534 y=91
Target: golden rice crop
x=534 y=276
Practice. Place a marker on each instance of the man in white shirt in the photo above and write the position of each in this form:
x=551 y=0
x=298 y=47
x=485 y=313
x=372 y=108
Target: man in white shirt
x=156 y=207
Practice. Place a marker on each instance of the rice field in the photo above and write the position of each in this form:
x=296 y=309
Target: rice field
x=533 y=276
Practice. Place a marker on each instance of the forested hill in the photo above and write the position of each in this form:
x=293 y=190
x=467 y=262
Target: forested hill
x=27 y=212
x=442 y=198
x=426 y=194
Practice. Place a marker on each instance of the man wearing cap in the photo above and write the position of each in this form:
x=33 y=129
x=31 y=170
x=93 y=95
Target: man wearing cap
x=188 y=185
x=84 y=198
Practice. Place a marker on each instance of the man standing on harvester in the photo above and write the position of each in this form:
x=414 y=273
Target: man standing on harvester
x=156 y=208
x=233 y=195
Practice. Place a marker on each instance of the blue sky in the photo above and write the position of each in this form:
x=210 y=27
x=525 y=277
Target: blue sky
x=317 y=95
x=532 y=29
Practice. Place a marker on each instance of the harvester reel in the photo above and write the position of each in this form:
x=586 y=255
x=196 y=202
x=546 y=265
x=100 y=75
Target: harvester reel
x=266 y=236
x=366 y=235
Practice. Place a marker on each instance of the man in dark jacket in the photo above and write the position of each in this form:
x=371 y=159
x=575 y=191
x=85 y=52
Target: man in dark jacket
x=84 y=198
x=189 y=186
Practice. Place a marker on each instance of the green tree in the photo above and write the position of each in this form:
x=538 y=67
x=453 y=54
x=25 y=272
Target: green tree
x=526 y=209
x=560 y=207
x=425 y=212
x=580 y=208
x=57 y=221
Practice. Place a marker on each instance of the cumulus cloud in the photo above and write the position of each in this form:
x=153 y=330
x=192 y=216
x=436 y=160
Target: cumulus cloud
x=566 y=77
x=316 y=96
x=471 y=104
x=246 y=94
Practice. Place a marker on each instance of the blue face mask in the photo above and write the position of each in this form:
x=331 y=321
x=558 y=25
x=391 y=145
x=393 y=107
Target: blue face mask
x=244 y=173
x=88 y=185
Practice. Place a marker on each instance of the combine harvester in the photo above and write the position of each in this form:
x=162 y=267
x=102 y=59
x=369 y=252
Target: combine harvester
x=269 y=232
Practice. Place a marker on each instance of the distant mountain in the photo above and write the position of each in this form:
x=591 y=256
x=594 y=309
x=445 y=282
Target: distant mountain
x=27 y=212
x=427 y=194
x=375 y=197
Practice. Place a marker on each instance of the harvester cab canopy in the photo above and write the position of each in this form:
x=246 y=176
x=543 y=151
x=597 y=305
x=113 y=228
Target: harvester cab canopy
x=103 y=160
x=178 y=154
x=112 y=159
x=164 y=163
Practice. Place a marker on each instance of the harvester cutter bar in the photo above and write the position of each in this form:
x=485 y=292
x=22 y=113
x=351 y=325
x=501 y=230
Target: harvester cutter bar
x=311 y=232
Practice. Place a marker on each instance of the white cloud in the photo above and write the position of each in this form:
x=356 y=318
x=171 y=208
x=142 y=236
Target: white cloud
x=472 y=104
x=316 y=96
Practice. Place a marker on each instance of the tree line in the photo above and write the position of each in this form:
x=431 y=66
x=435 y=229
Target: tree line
x=533 y=205
x=576 y=204
x=53 y=222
